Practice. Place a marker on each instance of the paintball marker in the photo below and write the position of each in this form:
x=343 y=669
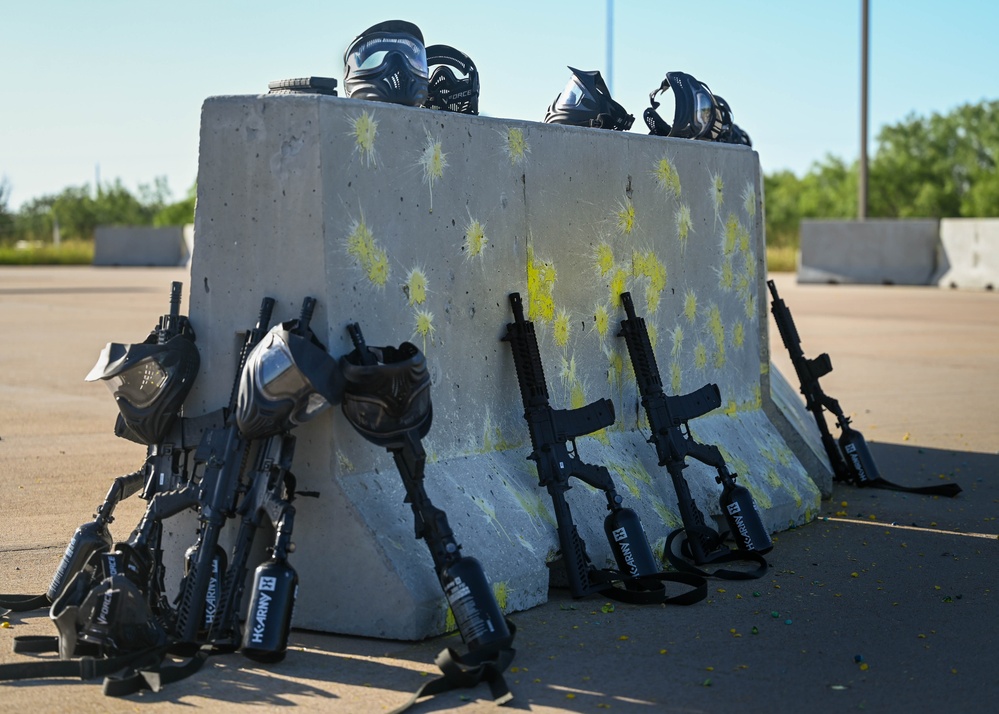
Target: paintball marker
x=149 y=381
x=387 y=400
x=668 y=417
x=850 y=458
x=551 y=430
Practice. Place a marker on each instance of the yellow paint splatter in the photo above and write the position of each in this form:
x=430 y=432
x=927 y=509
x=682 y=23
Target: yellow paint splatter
x=716 y=192
x=684 y=223
x=434 y=161
x=425 y=326
x=647 y=265
x=750 y=306
x=668 y=517
x=700 y=355
x=601 y=320
x=730 y=409
x=749 y=200
x=677 y=337
x=690 y=306
x=717 y=330
x=365 y=128
x=626 y=218
x=725 y=277
x=345 y=464
x=561 y=332
x=516 y=147
x=475 y=239
x=500 y=592
x=604 y=258
x=618 y=283
x=772 y=478
x=540 y=284
x=653 y=334
x=739 y=334
x=416 y=287
x=666 y=176
x=372 y=259
x=731 y=234
x=675 y=376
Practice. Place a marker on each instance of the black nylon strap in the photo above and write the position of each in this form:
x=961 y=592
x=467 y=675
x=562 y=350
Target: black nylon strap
x=154 y=673
x=24 y=603
x=720 y=556
x=650 y=589
x=944 y=489
x=466 y=671
x=83 y=668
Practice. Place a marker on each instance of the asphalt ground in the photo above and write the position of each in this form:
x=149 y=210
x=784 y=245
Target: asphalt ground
x=885 y=603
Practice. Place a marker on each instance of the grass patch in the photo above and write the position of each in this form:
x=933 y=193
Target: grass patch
x=782 y=258
x=69 y=252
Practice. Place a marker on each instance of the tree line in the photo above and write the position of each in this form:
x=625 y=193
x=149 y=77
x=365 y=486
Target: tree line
x=941 y=166
x=78 y=210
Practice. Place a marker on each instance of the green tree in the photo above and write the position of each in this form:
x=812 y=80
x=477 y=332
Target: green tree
x=942 y=166
x=179 y=213
x=6 y=218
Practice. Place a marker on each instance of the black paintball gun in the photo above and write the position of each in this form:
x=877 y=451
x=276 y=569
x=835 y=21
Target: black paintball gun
x=668 y=420
x=387 y=400
x=288 y=379
x=149 y=382
x=850 y=457
x=551 y=431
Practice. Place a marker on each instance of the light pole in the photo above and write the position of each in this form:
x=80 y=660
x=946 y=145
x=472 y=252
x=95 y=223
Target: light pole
x=862 y=178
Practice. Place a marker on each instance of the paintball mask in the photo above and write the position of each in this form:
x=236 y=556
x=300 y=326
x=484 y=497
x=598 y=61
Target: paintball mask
x=288 y=379
x=696 y=114
x=586 y=101
x=387 y=63
x=387 y=393
x=454 y=81
x=149 y=381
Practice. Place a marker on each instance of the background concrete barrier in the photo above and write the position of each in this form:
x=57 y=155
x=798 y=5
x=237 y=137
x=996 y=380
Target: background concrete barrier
x=878 y=251
x=418 y=224
x=140 y=246
x=969 y=253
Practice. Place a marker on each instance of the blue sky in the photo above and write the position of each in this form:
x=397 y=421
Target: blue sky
x=119 y=85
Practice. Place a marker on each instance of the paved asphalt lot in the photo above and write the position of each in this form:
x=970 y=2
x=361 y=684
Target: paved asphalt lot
x=885 y=603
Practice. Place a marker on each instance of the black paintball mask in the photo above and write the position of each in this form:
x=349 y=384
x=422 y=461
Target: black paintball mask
x=387 y=63
x=731 y=133
x=149 y=381
x=289 y=378
x=387 y=393
x=454 y=81
x=586 y=101
x=696 y=113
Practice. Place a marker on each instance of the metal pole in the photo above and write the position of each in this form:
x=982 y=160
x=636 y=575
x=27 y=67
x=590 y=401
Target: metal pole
x=610 y=46
x=862 y=182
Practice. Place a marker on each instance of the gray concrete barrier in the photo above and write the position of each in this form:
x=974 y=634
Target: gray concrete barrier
x=418 y=224
x=969 y=253
x=139 y=246
x=877 y=251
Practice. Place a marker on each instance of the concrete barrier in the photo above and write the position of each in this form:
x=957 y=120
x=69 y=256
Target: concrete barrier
x=969 y=253
x=139 y=246
x=877 y=251
x=418 y=224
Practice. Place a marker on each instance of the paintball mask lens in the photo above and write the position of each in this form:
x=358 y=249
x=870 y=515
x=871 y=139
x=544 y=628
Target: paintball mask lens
x=279 y=379
x=704 y=111
x=374 y=53
x=140 y=384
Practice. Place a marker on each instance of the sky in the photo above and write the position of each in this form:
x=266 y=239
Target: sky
x=101 y=91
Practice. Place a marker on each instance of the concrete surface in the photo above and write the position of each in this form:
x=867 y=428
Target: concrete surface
x=906 y=584
x=968 y=253
x=418 y=225
x=876 y=251
x=140 y=246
